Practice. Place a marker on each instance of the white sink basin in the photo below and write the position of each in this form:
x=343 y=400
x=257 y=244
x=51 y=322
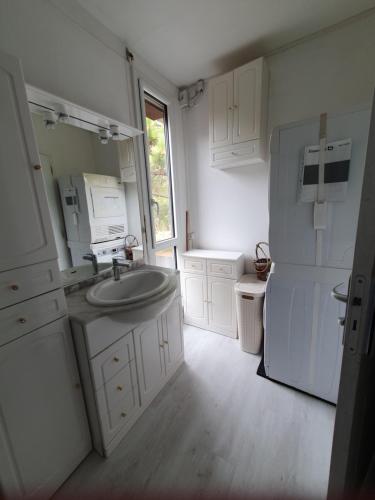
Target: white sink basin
x=133 y=287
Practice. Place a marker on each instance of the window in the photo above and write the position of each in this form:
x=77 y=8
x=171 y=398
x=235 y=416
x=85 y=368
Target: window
x=159 y=169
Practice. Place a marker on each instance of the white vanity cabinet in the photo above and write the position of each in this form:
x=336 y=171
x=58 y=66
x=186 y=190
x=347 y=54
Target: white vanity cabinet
x=123 y=378
x=237 y=116
x=207 y=284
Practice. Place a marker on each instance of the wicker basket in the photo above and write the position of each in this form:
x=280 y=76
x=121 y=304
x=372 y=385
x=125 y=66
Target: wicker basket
x=262 y=262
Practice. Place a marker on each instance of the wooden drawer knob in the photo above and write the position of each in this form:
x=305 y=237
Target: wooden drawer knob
x=119 y=387
x=116 y=359
x=123 y=414
x=14 y=287
x=22 y=320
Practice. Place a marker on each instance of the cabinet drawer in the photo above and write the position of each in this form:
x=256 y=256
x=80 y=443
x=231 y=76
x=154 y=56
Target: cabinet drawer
x=21 y=284
x=31 y=314
x=236 y=154
x=194 y=265
x=106 y=364
x=119 y=386
x=116 y=419
x=225 y=269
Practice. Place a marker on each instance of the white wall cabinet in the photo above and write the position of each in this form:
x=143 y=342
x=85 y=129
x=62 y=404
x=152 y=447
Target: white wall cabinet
x=125 y=376
x=207 y=283
x=237 y=116
x=25 y=218
x=42 y=411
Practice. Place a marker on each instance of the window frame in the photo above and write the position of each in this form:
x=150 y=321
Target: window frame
x=145 y=92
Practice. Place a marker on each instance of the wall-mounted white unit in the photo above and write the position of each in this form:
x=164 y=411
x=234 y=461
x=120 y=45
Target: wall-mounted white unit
x=207 y=284
x=238 y=116
x=94 y=207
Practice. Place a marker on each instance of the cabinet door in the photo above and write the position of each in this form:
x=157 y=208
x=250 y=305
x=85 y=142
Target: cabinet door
x=149 y=358
x=194 y=291
x=24 y=211
x=173 y=339
x=44 y=432
x=220 y=91
x=247 y=102
x=222 y=308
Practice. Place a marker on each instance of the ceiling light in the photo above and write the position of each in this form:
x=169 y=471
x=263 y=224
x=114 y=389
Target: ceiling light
x=103 y=136
x=50 y=120
x=115 y=132
x=63 y=117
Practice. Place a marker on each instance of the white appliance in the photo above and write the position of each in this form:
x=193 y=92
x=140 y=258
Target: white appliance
x=95 y=214
x=312 y=245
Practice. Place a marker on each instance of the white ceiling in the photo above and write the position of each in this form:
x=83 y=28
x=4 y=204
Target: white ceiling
x=191 y=39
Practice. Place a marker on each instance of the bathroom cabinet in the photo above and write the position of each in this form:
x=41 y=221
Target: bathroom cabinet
x=237 y=116
x=43 y=423
x=42 y=411
x=207 y=283
x=25 y=218
x=124 y=374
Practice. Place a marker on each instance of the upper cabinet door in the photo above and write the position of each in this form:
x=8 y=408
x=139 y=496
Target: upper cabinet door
x=221 y=110
x=247 y=102
x=25 y=225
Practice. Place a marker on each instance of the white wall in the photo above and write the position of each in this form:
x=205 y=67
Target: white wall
x=331 y=72
x=67 y=52
x=84 y=66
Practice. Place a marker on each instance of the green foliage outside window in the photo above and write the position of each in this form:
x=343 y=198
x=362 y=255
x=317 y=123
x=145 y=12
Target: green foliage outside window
x=160 y=189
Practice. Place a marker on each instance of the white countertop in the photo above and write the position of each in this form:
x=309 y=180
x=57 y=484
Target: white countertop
x=213 y=254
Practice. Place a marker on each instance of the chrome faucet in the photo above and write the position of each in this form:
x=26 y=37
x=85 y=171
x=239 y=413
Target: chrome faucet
x=117 y=263
x=94 y=260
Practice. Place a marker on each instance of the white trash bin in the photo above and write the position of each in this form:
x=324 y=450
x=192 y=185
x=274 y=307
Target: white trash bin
x=249 y=302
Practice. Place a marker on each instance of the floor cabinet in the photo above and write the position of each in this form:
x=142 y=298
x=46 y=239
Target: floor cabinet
x=207 y=282
x=41 y=411
x=125 y=376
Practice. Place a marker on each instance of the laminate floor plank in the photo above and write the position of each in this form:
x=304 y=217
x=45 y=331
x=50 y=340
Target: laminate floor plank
x=218 y=428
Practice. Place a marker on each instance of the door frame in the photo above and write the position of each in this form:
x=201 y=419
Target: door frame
x=354 y=433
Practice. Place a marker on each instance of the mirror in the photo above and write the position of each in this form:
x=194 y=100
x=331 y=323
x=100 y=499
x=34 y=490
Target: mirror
x=91 y=186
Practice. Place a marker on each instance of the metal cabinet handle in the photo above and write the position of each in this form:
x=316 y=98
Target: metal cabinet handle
x=341 y=297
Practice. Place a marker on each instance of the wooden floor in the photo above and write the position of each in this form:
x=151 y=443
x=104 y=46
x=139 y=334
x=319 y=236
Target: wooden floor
x=218 y=428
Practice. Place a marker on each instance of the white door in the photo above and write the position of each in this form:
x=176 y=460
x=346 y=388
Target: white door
x=150 y=360
x=44 y=432
x=173 y=339
x=194 y=291
x=221 y=306
x=352 y=463
x=24 y=211
x=220 y=92
x=247 y=102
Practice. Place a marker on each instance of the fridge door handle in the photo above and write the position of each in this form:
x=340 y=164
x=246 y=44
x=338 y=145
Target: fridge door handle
x=341 y=297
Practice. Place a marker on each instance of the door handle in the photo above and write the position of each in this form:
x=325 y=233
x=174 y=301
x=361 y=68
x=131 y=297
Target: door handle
x=341 y=297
